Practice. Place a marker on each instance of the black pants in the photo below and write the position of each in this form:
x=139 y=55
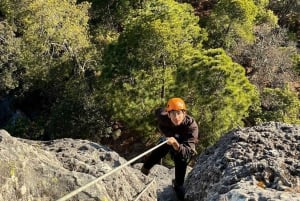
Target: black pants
x=180 y=162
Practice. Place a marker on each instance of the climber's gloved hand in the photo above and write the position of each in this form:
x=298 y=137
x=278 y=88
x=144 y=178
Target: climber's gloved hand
x=173 y=142
x=161 y=139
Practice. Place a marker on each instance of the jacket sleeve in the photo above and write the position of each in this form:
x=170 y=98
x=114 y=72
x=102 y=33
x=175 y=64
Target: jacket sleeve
x=163 y=127
x=187 y=148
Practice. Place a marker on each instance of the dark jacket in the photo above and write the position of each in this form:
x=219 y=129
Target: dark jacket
x=186 y=133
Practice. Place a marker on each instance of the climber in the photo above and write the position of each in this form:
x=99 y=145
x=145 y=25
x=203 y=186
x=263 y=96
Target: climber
x=181 y=132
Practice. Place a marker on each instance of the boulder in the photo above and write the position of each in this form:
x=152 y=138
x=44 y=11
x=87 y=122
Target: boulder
x=44 y=171
x=260 y=163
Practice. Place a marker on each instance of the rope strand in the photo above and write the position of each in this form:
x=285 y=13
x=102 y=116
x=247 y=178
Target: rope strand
x=71 y=194
x=145 y=189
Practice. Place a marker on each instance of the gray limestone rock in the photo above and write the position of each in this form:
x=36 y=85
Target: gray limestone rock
x=44 y=171
x=260 y=163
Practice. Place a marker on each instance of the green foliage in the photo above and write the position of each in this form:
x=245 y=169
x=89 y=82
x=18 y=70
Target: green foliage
x=52 y=33
x=107 y=19
x=78 y=114
x=25 y=128
x=296 y=62
x=8 y=8
x=234 y=20
x=217 y=92
x=280 y=105
x=159 y=34
x=141 y=65
x=168 y=161
x=265 y=14
x=53 y=36
x=9 y=52
x=55 y=50
x=111 y=14
x=287 y=12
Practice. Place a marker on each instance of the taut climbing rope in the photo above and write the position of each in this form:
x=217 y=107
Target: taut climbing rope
x=145 y=189
x=71 y=194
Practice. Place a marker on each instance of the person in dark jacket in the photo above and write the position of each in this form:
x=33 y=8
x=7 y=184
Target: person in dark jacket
x=181 y=132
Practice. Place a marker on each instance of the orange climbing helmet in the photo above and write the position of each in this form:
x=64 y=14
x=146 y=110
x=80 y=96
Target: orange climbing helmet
x=175 y=104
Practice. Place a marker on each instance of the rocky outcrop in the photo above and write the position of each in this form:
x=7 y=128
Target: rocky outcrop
x=260 y=163
x=44 y=171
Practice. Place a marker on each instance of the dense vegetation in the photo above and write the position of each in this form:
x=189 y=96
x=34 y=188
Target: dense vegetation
x=80 y=68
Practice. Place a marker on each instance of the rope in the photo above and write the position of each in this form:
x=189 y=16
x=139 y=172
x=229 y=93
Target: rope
x=71 y=194
x=145 y=189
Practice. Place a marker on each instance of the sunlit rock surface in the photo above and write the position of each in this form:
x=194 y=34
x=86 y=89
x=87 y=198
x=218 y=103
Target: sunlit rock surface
x=42 y=171
x=260 y=163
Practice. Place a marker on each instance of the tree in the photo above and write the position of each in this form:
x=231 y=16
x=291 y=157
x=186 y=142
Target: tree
x=218 y=93
x=288 y=14
x=111 y=14
x=9 y=51
x=78 y=115
x=146 y=56
x=55 y=50
x=269 y=60
x=107 y=18
x=233 y=20
x=281 y=105
x=52 y=33
x=54 y=42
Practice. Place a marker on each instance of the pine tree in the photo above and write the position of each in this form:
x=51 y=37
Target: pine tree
x=218 y=93
x=141 y=65
x=52 y=33
x=234 y=20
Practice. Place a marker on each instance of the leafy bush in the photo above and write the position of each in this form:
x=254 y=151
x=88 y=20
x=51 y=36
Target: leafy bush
x=280 y=105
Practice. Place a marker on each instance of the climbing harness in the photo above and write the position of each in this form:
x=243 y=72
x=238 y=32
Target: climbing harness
x=71 y=194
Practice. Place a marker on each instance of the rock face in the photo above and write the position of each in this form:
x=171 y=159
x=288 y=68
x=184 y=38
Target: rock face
x=44 y=171
x=260 y=163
